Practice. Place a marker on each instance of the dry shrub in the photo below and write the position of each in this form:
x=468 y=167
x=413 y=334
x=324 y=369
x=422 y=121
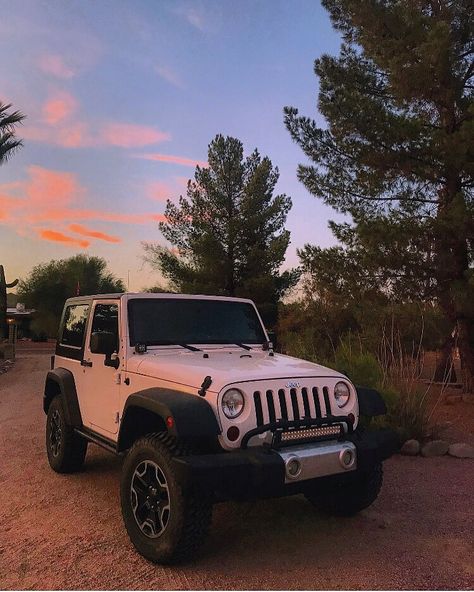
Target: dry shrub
x=407 y=397
x=396 y=374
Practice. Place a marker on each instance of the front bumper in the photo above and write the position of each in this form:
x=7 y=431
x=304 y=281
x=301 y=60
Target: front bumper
x=261 y=472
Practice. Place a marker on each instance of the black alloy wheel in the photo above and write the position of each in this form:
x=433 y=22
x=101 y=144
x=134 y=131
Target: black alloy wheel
x=150 y=498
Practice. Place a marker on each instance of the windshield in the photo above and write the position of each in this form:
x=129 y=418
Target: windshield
x=169 y=321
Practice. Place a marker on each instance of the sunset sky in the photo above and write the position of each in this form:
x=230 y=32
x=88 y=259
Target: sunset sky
x=122 y=99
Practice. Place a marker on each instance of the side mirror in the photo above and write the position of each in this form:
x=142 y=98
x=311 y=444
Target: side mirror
x=103 y=343
x=106 y=343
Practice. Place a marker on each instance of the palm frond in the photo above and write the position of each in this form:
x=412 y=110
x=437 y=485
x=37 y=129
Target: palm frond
x=7 y=149
x=9 y=119
x=8 y=141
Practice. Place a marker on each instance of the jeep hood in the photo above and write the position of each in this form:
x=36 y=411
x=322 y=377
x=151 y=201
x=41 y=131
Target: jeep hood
x=225 y=367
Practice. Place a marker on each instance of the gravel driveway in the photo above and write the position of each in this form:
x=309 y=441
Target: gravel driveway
x=66 y=532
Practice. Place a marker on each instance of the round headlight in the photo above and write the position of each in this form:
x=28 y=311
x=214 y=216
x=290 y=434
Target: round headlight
x=232 y=403
x=342 y=394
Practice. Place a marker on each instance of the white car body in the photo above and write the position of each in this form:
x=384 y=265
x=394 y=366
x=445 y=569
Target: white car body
x=177 y=368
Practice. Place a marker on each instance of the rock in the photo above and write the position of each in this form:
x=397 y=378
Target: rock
x=468 y=398
x=410 y=448
x=452 y=399
x=435 y=448
x=439 y=429
x=461 y=450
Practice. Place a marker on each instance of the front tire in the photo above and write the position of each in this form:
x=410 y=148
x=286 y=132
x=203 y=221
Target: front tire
x=66 y=450
x=165 y=523
x=346 y=498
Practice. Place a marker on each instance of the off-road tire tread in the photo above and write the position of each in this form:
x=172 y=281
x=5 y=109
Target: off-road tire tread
x=348 y=500
x=74 y=446
x=197 y=504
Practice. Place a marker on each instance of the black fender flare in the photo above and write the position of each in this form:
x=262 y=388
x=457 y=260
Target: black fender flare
x=61 y=381
x=371 y=402
x=192 y=417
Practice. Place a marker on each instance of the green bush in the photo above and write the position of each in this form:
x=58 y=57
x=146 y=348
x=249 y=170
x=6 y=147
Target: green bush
x=406 y=402
x=362 y=368
x=407 y=411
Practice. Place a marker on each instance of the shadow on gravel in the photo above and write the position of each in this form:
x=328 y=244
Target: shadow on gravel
x=102 y=462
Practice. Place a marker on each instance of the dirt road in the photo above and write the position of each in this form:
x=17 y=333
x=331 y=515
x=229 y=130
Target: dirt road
x=66 y=531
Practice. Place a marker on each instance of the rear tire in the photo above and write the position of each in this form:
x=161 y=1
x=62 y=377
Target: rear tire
x=66 y=450
x=165 y=523
x=348 y=498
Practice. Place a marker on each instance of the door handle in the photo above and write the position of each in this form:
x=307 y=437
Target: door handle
x=86 y=363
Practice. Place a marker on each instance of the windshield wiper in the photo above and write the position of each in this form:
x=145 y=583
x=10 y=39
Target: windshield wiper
x=246 y=347
x=190 y=347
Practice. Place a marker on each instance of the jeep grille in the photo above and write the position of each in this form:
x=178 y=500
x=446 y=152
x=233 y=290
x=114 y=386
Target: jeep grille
x=289 y=404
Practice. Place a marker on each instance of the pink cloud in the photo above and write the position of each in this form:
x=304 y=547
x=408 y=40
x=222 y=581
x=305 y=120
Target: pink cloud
x=160 y=191
x=181 y=160
x=171 y=189
x=182 y=182
x=71 y=135
x=79 y=134
x=79 y=229
x=54 y=65
x=127 y=135
x=158 y=217
x=59 y=107
x=51 y=198
x=75 y=135
x=46 y=188
x=7 y=203
x=59 y=237
x=60 y=125
x=68 y=214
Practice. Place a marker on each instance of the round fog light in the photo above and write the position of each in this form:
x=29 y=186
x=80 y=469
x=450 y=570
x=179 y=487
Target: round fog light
x=233 y=433
x=293 y=467
x=347 y=458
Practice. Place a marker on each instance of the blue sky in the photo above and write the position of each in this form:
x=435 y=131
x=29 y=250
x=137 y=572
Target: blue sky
x=122 y=100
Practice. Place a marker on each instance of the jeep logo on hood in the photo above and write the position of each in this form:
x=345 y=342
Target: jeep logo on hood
x=292 y=384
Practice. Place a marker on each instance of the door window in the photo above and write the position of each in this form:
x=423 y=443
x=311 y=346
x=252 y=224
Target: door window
x=75 y=320
x=106 y=320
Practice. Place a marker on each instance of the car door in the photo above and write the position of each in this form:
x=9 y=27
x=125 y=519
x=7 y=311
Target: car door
x=70 y=347
x=101 y=384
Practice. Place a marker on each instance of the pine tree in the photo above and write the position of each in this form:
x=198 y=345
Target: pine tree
x=228 y=233
x=399 y=141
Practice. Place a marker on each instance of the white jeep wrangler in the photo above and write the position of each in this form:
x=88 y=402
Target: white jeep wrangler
x=189 y=389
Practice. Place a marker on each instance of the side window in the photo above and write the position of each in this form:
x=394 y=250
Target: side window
x=75 y=320
x=106 y=320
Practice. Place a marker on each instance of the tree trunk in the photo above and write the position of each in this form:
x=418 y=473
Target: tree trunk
x=452 y=258
x=445 y=371
x=454 y=231
x=466 y=352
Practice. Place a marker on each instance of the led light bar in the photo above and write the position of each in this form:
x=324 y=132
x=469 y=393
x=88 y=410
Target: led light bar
x=310 y=433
